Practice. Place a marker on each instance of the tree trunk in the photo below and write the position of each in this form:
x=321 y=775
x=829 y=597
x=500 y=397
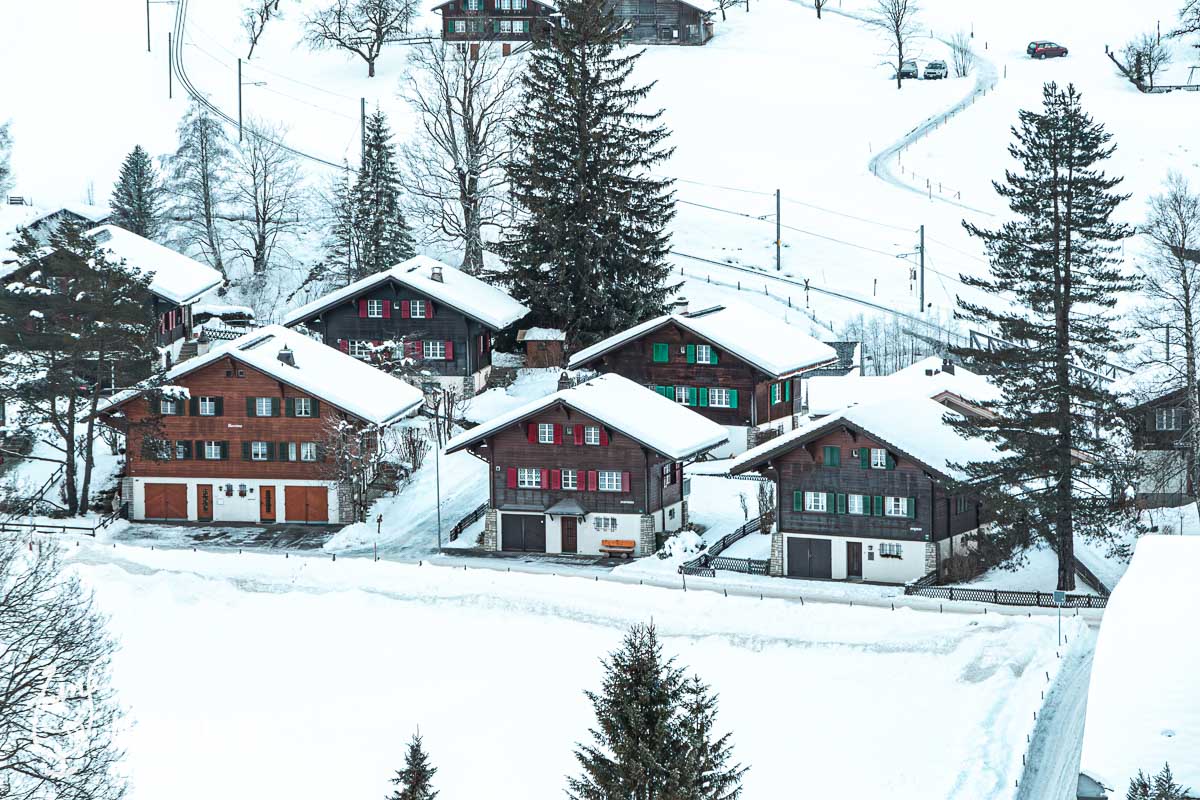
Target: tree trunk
x=370 y=68
x=472 y=262
x=1193 y=392
x=819 y=10
x=89 y=443
x=67 y=430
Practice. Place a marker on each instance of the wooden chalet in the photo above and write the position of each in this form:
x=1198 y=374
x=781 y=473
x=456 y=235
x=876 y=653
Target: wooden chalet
x=242 y=433
x=1160 y=423
x=870 y=493
x=732 y=364
x=44 y=225
x=445 y=317
x=544 y=347
x=597 y=468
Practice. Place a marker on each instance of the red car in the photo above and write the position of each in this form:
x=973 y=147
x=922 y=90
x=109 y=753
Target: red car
x=1045 y=50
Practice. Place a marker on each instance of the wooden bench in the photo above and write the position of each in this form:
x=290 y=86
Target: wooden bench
x=618 y=547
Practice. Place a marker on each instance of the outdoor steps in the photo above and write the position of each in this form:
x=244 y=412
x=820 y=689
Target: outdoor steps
x=189 y=350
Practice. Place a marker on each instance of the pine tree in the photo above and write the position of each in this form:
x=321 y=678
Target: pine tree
x=6 y=173
x=1058 y=428
x=199 y=172
x=137 y=197
x=588 y=253
x=706 y=773
x=383 y=234
x=415 y=781
x=1161 y=787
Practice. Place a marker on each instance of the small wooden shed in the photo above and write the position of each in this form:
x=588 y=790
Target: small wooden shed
x=544 y=347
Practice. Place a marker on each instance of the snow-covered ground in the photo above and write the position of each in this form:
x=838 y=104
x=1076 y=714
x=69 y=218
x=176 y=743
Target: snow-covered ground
x=304 y=677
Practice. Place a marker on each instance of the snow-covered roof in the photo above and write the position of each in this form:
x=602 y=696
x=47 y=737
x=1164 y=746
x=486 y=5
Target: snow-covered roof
x=759 y=339
x=456 y=289
x=94 y=214
x=220 y=309
x=647 y=417
x=173 y=276
x=323 y=372
x=541 y=335
x=1143 y=708
x=914 y=426
x=926 y=378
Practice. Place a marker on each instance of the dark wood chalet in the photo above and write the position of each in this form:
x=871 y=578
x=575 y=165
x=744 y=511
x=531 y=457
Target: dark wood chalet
x=45 y=225
x=870 y=493
x=1160 y=427
x=736 y=366
x=597 y=468
x=444 y=318
x=244 y=432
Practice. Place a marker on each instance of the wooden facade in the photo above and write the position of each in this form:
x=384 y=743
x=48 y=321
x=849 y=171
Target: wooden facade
x=649 y=21
x=664 y=21
x=1160 y=438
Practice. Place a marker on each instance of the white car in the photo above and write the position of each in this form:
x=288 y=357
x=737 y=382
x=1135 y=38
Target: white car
x=935 y=70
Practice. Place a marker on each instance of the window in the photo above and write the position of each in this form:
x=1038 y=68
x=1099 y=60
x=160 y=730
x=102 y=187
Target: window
x=704 y=354
x=375 y=308
x=681 y=395
x=459 y=26
x=610 y=481
x=258 y=451
x=961 y=505
x=895 y=506
x=474 y=5
x=167 y=407
x=879 y=458
x=856 y=504
x=832 y=456
x=207 y=406
x=308 y=451
x=662 y=352
x=816 y=501
x=891 y=550
x=775 y=393
x=360 y=349
x=212 y=451
x=182 y=450
x=545 y=433
x=416 y=309
x=605 y=524
x=720 y=398
x=591 y=434
x=303 y=407
x=570 y=479
x=262 y=407
x=435 y=350
x=528 y=478
x=1168 y=419
x=506 y=26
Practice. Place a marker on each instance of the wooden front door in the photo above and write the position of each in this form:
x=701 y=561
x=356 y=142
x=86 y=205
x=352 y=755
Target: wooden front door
x=266 y=503
x=854 y=559
x=570 y=534
x=166 y=501
x=306 y=503
x=204 y=502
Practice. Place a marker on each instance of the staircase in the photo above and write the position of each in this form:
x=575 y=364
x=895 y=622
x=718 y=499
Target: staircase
x=189 y=349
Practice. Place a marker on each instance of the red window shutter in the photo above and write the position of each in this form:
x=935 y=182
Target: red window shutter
x=532 y=432
x=545 y=479
x=603 y=437
x=344 y=345
x=428 y=309
x=416 y=350
x=449 y=351
x=556 y=479
x=626 y=483
x=578 y=434
x=387 y=309
x=558 y=438
x=512 y=477
x=405 y=309
x=678 y=472
x=362 y=308
x=376 y=342
x=593 y=480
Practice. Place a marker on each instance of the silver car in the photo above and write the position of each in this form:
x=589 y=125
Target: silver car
x=935 y=70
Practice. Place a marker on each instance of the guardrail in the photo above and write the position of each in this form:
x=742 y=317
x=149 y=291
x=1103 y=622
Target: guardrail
x=1005 y=597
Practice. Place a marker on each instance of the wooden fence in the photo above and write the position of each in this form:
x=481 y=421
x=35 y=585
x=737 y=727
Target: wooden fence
x=707 y=563
x=53 y=526
x=467 y=521
x=1004 y=597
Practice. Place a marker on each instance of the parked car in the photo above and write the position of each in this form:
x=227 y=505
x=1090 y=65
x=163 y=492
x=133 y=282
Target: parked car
x=1045 y=50
x=909 y=69
x=935 y=70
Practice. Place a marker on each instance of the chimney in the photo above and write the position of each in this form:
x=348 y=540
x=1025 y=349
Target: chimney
x=678 y=306
x=564 y=381
x=948 y=366
x=286 y=356
x=203 y=343
x=435 y=273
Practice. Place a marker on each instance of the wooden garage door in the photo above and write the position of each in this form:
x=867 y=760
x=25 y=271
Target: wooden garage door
x=809 y=558
x=523 y=533
x=166 y=501
x=306 y=503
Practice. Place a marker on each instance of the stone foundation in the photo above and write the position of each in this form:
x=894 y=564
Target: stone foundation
x=776 y=568
x=931 y=557
x=683 y=514
x=646 y=535
x=490 y=541
x=345 y=504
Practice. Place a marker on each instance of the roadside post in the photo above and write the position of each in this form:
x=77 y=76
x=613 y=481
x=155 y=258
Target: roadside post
x=1060 y=598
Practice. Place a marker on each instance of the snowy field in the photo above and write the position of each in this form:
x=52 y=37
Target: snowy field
x=303 y=678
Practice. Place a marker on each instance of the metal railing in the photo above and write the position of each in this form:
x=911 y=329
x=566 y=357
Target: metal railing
x=709 y=561
x=1089 y=577
x=1005 y=597
x=467 y=521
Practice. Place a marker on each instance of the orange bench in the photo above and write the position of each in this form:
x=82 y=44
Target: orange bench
x=618 y=547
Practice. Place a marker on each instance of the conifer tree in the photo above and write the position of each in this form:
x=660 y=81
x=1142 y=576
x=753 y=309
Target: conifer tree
x=588 y=251
x=1161 y=787
x=198 y=174
x=137 y=197
x=415 y=781
x=6 y=173
x=1055 y=277
x=707 y=773
x=384 y=236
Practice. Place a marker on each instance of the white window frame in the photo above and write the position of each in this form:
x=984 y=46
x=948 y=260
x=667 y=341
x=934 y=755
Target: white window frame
x=459 y=25
x=776 y=393
x=212 y=451
x=416 y=309
x=895 y=506
x=719 y=398
x=855 y=504
x=891 y=550
x=506 y=26
x=258 y=453
x=608 y=480
x=605 y=524
x=816 y=502
x=302 y=406
x=434 y=350
x=166 y=407
x=545 y=433
x=375 y=309
x=207 y=406
x=703 y=353
x=360 y=349
x=262 y=406
x=308 y=451
x=681 y=395
x=878 y=458
x=591 y=434
x=529 y=478
x=180 y=451
x=1168 y=419
x=570 y=480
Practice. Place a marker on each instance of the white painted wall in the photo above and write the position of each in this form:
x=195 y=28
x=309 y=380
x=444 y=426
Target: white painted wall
x=909 y=567
x=235 y=508
x=629 y=526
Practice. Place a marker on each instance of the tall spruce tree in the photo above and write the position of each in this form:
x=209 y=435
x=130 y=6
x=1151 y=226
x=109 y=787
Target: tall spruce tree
x=384 y=235
x=588 y=252
x=137 y=196
x=1161 y=787
x=197 y=175
x=415 y=781
x=6 y=173
x=1057 y=427
x=707 y=773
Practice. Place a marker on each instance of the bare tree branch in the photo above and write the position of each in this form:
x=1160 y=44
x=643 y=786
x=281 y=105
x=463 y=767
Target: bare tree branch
x=361 y=27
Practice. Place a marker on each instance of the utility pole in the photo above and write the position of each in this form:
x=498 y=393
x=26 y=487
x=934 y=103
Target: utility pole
x=147 y=26
x=921 y=250
x=170 y=67
x=778 y=235
x=239 y=99
x=362 y=129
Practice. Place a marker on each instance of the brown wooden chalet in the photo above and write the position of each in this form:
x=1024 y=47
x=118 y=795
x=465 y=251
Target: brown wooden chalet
x=1160 y=426
x=243 y=433
x=736 y=366
x=444 y=317
x=871 y=493
x=597 y=468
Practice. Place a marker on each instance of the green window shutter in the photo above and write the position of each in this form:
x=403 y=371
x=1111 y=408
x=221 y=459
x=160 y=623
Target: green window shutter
x=797 y=501
x=712 y=355
x=703 y=397
x=911 y=507
x=891 y=462
x=250 y=407
x=841 y=503
x=525 y=25
x=877 y=506
x=830 y=502
x=691 y=354
x=496 y=26
x=290 y=407
x=832 y=456
x=864 y=457
x=733 y=403
x=691 y=395
x=316 y=408
x=661 y=353
x=661 y=390
x=274 y=406
x=787 y=390
x=245 y=451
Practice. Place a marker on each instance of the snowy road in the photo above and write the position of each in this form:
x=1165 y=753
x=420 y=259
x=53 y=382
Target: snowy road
x=1053 y=761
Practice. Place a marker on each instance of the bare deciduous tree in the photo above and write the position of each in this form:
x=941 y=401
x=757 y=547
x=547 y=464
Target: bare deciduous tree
x=58 y=711
x=898 y=21
x=1189 y=19
x=413 y=446
x=454 y=168
x=818 y=5
x=268 y=189
x=197 y=175
x=962 y=56
x=351 y=455
x=361 y=27
x=255 y=18
x=766 y=505
x=1144 y=57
